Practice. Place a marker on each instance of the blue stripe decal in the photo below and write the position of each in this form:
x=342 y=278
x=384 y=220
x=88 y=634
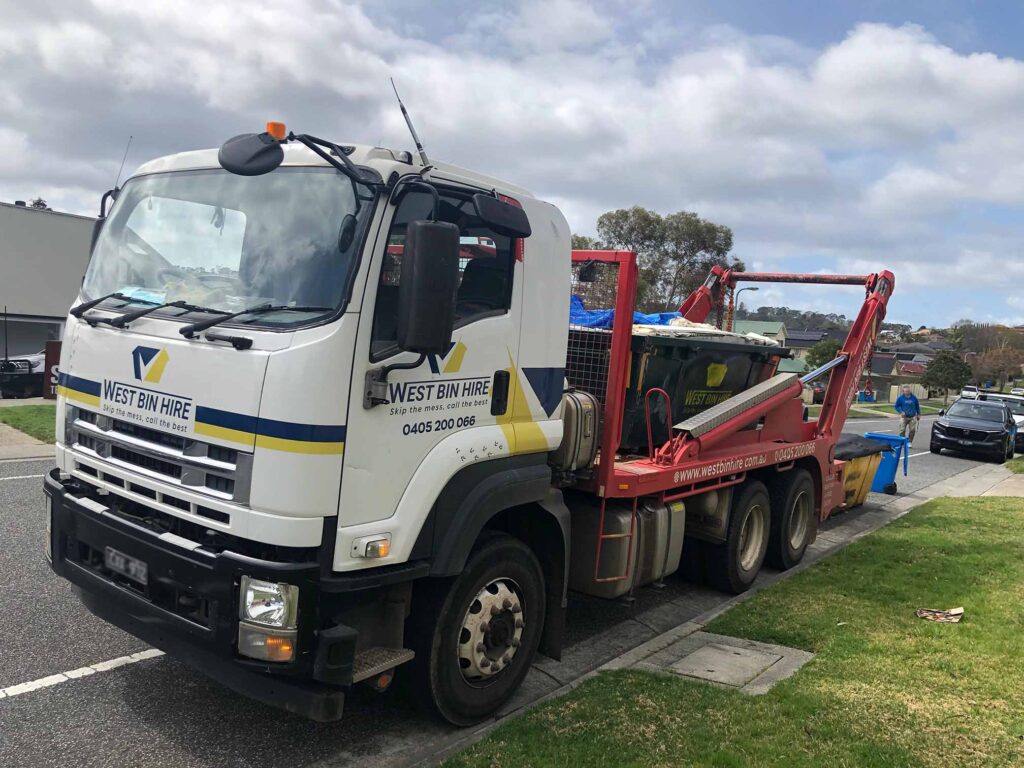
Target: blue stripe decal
x=547 y=384
x=227 y=419
x=313 y=433
x=79 y=385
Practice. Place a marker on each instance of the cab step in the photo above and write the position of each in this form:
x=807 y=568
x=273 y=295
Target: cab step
x=376 y=660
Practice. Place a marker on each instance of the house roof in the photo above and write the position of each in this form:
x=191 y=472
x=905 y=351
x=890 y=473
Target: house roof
x=916 y=347
x=763 y=327
x=882 y=364
x=912 y=369
x=940 y=345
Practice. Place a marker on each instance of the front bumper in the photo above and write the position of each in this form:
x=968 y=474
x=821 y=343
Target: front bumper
x=189 y=607
x=968 y=445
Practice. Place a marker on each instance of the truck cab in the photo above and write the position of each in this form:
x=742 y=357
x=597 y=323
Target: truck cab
x=297 y=402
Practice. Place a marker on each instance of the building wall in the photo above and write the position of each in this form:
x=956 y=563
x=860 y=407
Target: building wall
x=43 y=256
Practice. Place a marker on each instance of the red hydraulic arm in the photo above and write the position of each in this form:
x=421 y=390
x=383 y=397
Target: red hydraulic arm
x=855 y=353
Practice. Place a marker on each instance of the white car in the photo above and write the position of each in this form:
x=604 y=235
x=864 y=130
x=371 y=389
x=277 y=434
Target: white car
x=969 y=392
x=1019 y=391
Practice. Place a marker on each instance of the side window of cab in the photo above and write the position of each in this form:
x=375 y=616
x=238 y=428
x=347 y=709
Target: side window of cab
x=486 y=262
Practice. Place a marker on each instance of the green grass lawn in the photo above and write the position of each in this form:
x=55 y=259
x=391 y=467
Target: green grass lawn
x=885 y=689
x=928 y=407
x=35 y=420
x=1016 y=465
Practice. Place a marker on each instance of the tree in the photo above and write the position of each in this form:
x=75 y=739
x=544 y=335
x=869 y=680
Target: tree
x=584 y=243
x=675 y=252
x=999 y=364
x=822 y=352
x=946 y=371
x=39 y=204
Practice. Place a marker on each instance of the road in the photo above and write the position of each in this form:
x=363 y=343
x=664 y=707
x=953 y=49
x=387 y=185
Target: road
x=157 y=712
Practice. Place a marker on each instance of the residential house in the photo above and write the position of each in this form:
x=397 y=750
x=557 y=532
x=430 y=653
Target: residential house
x=772 y=329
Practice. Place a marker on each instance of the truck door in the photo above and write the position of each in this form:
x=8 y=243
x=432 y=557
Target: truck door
x=442 y=413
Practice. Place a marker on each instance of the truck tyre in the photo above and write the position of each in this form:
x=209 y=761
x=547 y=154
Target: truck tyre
x=733 y=566
x=475 y=636
x=794 y=520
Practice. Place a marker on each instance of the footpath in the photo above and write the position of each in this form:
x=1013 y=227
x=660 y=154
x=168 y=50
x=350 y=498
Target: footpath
x=17 y=445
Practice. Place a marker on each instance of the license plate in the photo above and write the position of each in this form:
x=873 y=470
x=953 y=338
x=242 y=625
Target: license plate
x=129 y=567
x=966 y=442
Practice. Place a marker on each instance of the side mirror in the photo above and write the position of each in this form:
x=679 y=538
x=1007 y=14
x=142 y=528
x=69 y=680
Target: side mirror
x=97 y=226
x=942 y=412
x=250 y=154
x=503 y=218
x=426 y=294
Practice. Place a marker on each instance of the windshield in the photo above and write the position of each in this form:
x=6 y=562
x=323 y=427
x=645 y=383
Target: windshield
x=227 y=242
x=971 y=409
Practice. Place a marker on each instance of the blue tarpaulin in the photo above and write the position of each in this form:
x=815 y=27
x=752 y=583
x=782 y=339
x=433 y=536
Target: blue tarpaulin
x=603 y=318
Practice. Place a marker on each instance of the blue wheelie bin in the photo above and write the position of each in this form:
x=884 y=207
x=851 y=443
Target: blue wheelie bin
x=885 y=475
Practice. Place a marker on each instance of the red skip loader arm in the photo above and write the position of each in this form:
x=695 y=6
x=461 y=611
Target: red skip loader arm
x=855 y=354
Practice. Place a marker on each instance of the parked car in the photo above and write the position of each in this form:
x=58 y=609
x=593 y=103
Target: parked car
x=1016 y=405
x=1017 y=391
x=969 y=392
x=980 y=427
x=22 y=376
x=817 y=392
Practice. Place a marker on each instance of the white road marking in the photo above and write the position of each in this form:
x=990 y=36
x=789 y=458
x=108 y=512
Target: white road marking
x=21 y=477
x=74 y=674
x=922 y=453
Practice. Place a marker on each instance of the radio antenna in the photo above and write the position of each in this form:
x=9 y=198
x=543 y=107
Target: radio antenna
x=412 y=130
x=123 y=158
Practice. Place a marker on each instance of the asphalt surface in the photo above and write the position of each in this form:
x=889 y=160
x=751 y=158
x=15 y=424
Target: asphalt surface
x=158 y=712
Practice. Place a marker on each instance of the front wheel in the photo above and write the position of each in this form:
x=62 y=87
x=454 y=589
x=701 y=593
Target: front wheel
x=1009 y=448
x=475 y=636
x=733 y=566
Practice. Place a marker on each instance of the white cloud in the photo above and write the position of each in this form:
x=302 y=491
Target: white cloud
x=858 y=154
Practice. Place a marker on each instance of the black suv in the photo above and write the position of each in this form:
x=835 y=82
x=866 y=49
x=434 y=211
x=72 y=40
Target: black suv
x=976 y=426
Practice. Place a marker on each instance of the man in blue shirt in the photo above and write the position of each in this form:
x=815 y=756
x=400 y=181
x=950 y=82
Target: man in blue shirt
x=909 y=410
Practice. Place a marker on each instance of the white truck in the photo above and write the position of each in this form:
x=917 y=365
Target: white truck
x=313 y=425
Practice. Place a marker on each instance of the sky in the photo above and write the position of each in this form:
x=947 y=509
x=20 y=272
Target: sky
x=831 y=137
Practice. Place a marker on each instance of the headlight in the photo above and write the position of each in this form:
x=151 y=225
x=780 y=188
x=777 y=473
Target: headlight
x=268 y=613
x=268 y=604
x=937 y=427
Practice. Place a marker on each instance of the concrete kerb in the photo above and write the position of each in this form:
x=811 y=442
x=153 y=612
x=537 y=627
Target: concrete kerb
x=971 y=482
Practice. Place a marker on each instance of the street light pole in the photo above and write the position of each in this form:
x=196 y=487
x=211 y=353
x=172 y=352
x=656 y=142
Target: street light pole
x=736 y=302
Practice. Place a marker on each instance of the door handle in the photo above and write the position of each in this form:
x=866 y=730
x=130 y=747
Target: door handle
x=499 y=392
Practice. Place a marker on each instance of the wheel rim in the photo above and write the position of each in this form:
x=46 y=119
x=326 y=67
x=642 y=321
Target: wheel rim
x=752 y=537
x=492 y=630
x=799 y=520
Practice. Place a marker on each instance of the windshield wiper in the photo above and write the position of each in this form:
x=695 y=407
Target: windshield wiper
x=189 y=331
x=85 y=306
x=122 y=320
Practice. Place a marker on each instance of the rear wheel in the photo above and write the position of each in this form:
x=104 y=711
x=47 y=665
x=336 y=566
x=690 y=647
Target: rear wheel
x=733 y=566
x=794 y=521
x=475 y=636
